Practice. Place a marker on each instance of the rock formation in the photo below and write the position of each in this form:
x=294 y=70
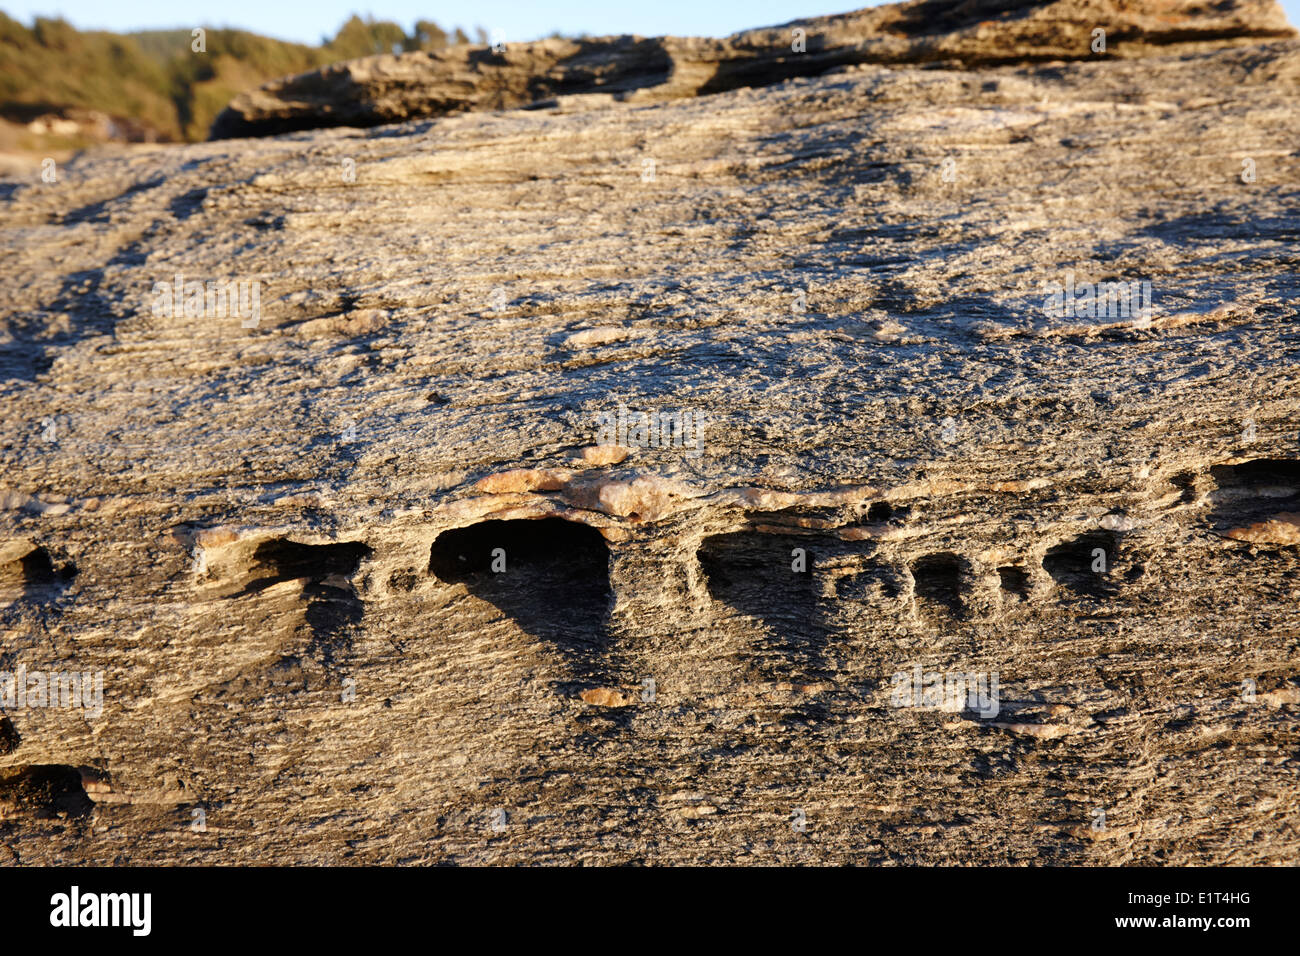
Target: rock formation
x=391 y=89
x=889 y=459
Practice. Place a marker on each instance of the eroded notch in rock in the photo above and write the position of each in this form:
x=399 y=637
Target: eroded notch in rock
x=29 y=571
x=1270 y=477
x=283 y=560
x=1014 y=579
x=549 y=574
x=764 y=575
x=883 y=512
x=9 y=739
x=1086 y=564
x=939 y=583
x=873 y=583
x=880 y=511
x=1258 y=501
x=772 y=577
x=46 y=790
x=326 y=570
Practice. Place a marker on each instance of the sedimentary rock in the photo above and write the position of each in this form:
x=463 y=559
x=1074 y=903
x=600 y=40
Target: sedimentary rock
x=389 y=89
x=919 y=560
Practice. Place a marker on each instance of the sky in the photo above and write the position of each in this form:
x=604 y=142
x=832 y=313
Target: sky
x=306 y=21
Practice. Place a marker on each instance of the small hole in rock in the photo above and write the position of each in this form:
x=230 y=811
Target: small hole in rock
x=33 y=575
x=1085 y=564
x=880 y=511
x=770 y=577
x=1014 y=579
x=938 y=580
x=285 y=560
x=332 y=607
x=9 y=738
x=1254 y=492
x=47 y=790
x=549 y=574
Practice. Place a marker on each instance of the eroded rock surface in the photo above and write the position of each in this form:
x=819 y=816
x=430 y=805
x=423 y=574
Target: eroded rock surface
x=383 y=573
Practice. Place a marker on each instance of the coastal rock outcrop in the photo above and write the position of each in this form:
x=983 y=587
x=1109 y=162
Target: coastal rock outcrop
x=893 y=465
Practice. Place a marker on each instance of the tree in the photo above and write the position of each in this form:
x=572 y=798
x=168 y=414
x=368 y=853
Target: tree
x=358 y=38
x=427 y=35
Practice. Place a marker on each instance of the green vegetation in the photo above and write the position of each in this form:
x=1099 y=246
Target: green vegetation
x=154 y=79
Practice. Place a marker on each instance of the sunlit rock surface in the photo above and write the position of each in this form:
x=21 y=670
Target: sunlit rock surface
x=380 y=562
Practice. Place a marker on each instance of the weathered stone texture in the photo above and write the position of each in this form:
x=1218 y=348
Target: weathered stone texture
x=276 y=541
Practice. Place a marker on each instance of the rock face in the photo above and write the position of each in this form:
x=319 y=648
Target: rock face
x=391 y=89
x=939 y=547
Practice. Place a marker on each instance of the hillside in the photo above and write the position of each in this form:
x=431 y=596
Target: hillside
x=152 y=85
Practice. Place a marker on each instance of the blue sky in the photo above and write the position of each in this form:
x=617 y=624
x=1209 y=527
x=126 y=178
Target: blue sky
x=517 y=20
